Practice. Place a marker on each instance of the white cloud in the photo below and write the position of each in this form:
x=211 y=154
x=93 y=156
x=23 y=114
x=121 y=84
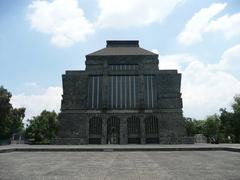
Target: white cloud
x=230 y=60
x=228 y=25
x=155 y=51
x=64 y=20
x=50 y=100
x=205 y=87
x=134 y=13
x=175 y=61
x=194 y=28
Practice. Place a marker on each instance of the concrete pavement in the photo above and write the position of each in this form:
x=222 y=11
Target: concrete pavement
x=140 y=165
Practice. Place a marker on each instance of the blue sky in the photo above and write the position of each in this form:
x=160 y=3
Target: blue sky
x=39 y=40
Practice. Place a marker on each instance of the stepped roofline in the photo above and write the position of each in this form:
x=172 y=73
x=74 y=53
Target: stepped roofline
x=122 y=48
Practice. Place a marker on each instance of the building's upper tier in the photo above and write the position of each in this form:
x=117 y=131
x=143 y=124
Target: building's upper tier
x=127 y=43
x=122 y=48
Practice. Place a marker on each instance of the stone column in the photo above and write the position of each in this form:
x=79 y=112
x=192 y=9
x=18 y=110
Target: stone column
x=123 y=130
x=142 y=128
x=104 y=102
x=104 y=130
x=141 y=87
x=105 y=90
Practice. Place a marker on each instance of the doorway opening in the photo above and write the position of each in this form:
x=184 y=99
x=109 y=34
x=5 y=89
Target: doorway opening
x=113 y=130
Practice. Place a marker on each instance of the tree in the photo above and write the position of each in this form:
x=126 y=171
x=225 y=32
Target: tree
x=236 y=118
x=5 y=107
x=189 y=126
x=236 y=104
x=226 y=127
x=212 y=128
x=15 y=119
x=194 y=126
x=230 y=122
x=43 y=128
x=11 y=119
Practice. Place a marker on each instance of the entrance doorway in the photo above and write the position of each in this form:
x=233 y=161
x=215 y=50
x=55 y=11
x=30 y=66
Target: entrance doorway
x=133 y=127
x=113 y=130
x=151 y=129
x=95 y=130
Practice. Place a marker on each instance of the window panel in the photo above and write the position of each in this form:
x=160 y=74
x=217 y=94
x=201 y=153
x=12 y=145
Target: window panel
x=95 y=126
x=149 y=91
x=123 y=90
x=94 y=91
x=123 y=67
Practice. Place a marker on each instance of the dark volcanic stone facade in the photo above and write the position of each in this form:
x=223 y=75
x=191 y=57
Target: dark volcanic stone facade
x=122 y=97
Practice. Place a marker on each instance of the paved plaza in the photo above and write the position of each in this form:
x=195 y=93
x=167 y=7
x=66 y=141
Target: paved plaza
x=146 y=165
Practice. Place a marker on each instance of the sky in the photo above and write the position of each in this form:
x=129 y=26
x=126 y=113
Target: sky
x=41 y=39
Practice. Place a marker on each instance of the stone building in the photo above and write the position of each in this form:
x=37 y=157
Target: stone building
x=121 y=97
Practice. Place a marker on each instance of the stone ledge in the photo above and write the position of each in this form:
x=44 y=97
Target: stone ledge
x=111 y=148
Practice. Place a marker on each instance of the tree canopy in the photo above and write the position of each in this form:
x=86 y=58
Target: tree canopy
x=11 y=119
x=43 y=128
x=231 y=121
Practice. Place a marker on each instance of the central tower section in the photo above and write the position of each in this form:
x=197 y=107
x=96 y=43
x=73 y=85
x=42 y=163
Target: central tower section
x=122 y=77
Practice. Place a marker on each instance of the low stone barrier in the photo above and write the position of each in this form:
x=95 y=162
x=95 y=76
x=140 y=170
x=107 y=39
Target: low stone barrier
x=106 y=148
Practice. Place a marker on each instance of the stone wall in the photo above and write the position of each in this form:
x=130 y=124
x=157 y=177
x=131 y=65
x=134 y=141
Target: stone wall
x=74 y=127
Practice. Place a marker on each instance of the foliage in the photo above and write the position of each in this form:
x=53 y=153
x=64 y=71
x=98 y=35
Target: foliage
x=236 y=118
x=231 y=121
x=194 y=126
x=222 y=128
x=227 y=119
x=43 y=128
x=5 y=107
x=11 y=119
x=212 y=128
x=15 y=120
x=236 y=104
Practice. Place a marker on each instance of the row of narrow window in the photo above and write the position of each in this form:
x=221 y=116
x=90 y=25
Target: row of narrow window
x=122 y=92
x=133 y=125
x=149 y=91
x=95 y=125
x=123 y=67
x=151 y=125
x=94 y=91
